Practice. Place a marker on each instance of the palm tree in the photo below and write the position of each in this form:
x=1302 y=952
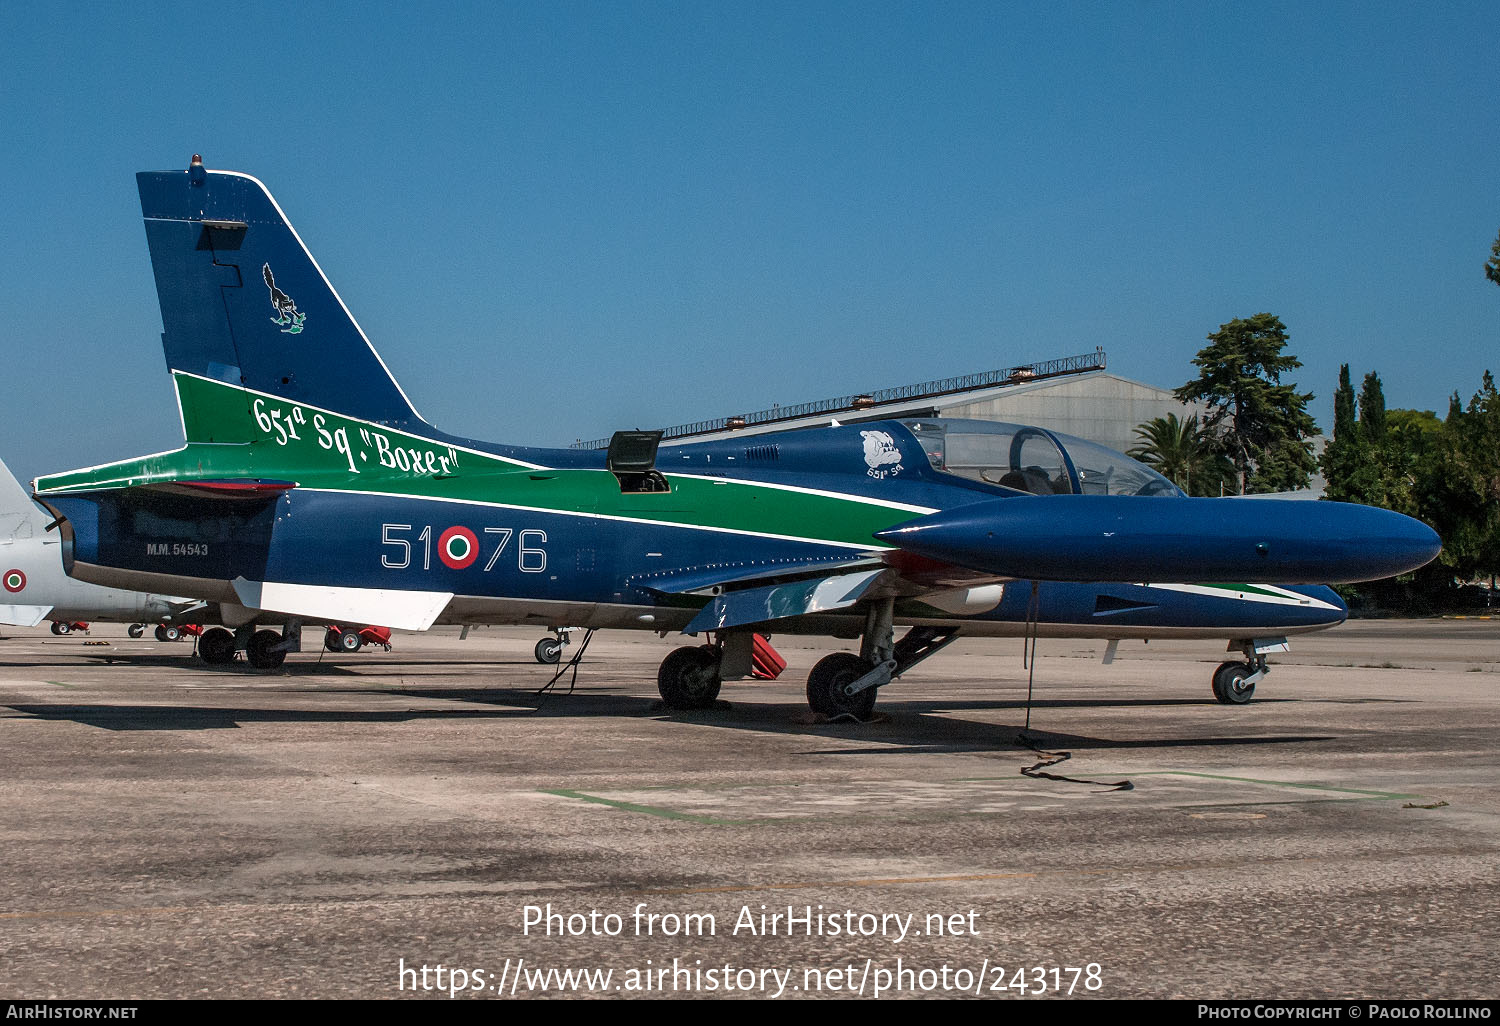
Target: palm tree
x=1183 y=452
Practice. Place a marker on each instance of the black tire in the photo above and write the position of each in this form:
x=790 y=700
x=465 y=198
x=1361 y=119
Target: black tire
x=135 y=630
x=548 y=650
x=60 y=628
x=331 y=640
x=1229 y=683
x=161 y=632
x=259 y=650
x=350 y=641
x=216 y=646
x=826 y=683
x=689 y=678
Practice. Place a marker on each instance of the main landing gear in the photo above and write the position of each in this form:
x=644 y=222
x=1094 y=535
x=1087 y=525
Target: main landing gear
x=264 y=649
x=216 y=646
x=845 y=684
x=841 y=684
x=1234 y=682
x=689 y=677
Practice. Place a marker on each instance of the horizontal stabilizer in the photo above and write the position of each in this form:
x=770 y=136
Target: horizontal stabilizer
x=224 y=489
x=408 y=610
x=23 y=616
x=777 y=601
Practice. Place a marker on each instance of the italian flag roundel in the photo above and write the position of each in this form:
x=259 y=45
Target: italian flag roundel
x=458 y=548
x=14 y=581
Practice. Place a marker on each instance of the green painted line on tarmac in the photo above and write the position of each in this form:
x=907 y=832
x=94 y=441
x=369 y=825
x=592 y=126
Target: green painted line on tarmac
x=648 y=810
x=1388 y=795
x=1272 y=805
x=60 y=684
x=1383 y=795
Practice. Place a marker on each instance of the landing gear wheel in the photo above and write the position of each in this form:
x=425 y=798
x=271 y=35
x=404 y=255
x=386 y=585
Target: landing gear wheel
x=1229 y=683
x=216 y=646
x=331 y=640
x=826 y=683
x=135 y=630
x=60 y=628
x=350 y=641
x=161 y=632
x=548 y=650
x=689 y=678
x=259 y=650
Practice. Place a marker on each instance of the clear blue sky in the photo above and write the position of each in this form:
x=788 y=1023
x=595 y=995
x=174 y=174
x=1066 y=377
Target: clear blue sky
x=557 y=219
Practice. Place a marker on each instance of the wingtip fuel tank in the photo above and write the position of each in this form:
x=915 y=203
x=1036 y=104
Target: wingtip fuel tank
x=1120 y=538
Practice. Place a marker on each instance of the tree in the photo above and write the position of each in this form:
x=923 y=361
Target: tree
x=1492 y=266
x=1372 y=409
x=1374 y=458
x=1260 y=424
x=1460 y=489
x=1183 y=453
x=1346 y=459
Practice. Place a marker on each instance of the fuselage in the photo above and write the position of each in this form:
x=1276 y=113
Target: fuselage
x=553 y=537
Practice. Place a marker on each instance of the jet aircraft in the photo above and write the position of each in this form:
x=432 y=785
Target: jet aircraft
x=37 y=589
x=309 y=488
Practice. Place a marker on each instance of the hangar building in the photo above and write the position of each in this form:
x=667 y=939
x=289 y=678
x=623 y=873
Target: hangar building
x=1074 y=395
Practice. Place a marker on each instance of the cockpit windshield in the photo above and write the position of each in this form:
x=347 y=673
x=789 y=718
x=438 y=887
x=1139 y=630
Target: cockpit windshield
x=1032 y=459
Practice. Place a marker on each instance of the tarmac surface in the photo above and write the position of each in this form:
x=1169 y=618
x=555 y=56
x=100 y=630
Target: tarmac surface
x=176 y=830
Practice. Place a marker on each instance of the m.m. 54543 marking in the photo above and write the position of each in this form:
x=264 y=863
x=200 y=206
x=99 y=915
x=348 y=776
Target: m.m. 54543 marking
x=458 y=547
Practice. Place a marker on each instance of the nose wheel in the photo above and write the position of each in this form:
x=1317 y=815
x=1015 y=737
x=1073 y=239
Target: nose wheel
x=549 y=650
x=1234 y=683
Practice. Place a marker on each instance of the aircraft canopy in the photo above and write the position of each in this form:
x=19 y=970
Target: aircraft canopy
x=1033 y=459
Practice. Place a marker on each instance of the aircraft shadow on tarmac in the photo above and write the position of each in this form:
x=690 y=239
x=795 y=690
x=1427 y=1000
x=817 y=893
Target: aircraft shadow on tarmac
x=188 y=717
x=900 y=731
x=911 y=726
x=900 y=727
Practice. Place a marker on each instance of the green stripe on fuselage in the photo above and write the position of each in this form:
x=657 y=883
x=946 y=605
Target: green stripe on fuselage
x=234 y=433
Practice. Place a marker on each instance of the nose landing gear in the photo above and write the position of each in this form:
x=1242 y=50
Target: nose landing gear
x=1234 y=682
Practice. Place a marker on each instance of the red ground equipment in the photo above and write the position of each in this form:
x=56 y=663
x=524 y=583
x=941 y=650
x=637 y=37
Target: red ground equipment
x=350 y=639
x=765 y=662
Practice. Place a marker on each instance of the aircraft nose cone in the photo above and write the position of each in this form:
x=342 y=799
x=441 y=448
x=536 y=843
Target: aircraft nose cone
x=1400 y=543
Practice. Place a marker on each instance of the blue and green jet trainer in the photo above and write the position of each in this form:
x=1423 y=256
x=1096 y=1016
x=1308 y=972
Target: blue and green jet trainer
x=310 y=489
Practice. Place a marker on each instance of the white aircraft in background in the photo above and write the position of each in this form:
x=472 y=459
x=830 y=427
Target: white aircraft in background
x=34 y=588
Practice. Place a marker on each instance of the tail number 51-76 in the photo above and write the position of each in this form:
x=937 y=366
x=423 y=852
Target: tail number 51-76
x=458 y=548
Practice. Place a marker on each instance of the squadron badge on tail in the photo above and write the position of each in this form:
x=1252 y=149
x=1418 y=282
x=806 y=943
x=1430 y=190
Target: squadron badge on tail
x=286 y=309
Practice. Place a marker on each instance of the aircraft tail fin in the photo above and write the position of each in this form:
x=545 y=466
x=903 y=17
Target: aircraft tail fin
x=244 y=303
x=17 y=511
